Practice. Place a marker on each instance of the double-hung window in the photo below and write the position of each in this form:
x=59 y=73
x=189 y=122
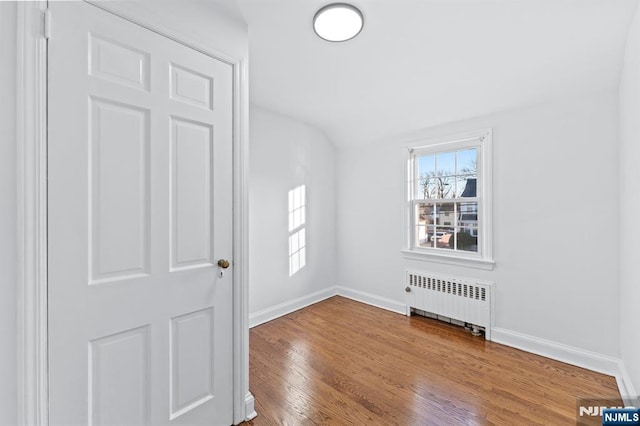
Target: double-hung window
x=449 y=199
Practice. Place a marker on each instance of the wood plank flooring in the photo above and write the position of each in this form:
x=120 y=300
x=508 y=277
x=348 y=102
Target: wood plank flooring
x=341 y=362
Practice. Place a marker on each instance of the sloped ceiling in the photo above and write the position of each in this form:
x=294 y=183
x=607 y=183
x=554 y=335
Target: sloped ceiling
x=419 y=63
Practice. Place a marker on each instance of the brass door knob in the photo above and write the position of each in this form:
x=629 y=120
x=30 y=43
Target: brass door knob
x=223 y=263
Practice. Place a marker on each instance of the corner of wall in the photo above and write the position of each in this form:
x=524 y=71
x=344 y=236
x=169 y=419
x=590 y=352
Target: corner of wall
x=286 y=153
x=629 y=234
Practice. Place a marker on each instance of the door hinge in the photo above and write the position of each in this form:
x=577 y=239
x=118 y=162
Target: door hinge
x=47 y=24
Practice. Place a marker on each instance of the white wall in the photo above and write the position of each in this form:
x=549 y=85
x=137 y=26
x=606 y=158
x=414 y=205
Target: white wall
x=8 y=236
x=556 y=274
x=283 y=154
x=630 y=204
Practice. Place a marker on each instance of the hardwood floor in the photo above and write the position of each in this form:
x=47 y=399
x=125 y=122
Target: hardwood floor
x=341 y=362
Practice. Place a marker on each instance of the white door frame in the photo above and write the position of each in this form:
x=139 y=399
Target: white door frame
x=31 y=108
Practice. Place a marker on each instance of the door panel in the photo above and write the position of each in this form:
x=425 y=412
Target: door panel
x=140 y=210
x=119 y=191
x=191 y=193
x=118 y=62
x=192 y=346
x=191 y=87
x=119 y=379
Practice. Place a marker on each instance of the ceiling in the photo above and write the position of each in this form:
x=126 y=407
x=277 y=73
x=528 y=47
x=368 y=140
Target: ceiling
x=420 y=63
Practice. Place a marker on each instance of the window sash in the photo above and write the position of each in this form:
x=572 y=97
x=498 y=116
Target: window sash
x=414 y=245
x=414 y=190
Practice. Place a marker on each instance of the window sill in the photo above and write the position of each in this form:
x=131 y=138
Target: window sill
x=468 y=262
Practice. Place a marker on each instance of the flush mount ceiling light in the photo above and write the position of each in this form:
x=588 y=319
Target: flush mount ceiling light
x=338 y=22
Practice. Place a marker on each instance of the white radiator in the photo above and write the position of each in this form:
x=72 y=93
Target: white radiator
x=462 y=299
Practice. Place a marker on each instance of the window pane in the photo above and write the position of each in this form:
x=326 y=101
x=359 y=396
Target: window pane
x=467 y=161
x=425 y=228
x=468 y=214
x=424 y=213
x=425 y=172
x=445 y=186
x=466 y=186
x=422 y=237
x=467 y=240
x=445 y=220
x=438 y=187
x=428 y=187
x=426 y=165
x=422 y=190
x=443 y=238
x=446 y=164
x=445 y=213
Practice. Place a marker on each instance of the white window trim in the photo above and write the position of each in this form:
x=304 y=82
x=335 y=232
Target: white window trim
x=483 y=140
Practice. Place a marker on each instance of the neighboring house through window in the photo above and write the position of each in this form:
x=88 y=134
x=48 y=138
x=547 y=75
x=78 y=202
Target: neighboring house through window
x=448 y=216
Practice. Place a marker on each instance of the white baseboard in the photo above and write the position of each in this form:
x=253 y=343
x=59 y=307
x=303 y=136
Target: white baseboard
x=373 y=300
x=277 y=311
x=558 y=351
x=285 y=308
x=571 y=355
x=627 y=391
x=249 y=407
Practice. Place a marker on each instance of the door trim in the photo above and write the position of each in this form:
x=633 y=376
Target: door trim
x=31 y=174
x=32 y=349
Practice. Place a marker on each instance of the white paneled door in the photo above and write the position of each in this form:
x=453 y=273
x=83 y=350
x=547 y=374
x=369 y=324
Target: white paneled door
x=140 y=213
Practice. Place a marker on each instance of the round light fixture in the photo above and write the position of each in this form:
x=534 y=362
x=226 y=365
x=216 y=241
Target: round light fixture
x=338 y=22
